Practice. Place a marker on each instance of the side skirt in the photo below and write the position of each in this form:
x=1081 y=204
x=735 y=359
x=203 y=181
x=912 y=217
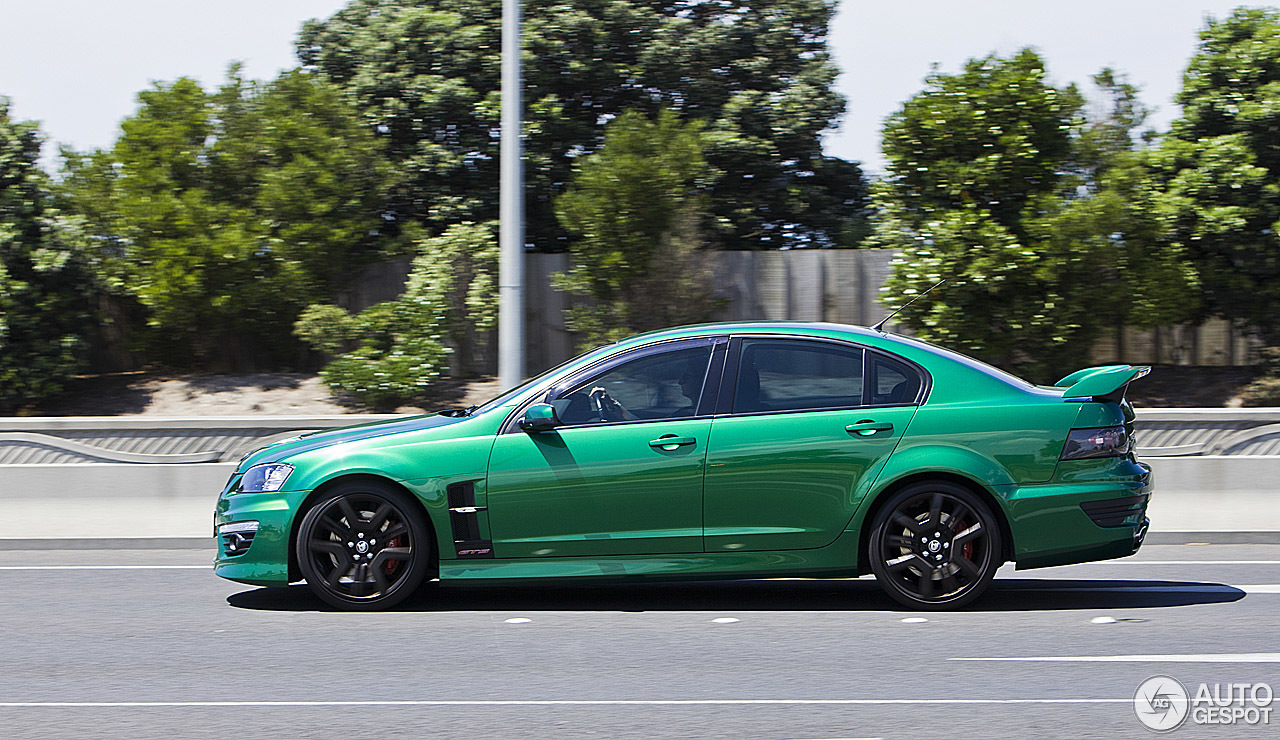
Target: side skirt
x=838 y=559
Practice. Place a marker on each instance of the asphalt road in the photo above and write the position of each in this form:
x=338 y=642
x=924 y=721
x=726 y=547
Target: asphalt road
x=150 y=644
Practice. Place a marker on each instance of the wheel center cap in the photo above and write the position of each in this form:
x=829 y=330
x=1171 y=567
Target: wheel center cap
x=363 y=547
x=934 y=546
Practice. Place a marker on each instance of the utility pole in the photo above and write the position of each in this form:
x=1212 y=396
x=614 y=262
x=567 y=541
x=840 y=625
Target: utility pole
x=511 y=209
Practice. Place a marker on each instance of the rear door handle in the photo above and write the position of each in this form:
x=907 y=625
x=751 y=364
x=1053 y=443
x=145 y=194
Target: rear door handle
x=867 y=427
x=670 y=442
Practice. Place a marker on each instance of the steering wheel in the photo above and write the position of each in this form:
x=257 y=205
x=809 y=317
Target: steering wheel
x=605 y=406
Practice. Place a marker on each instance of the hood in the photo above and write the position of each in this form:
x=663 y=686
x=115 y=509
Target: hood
x=285 y=448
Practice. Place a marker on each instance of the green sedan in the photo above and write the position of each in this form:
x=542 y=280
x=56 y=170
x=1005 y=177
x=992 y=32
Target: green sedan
x=739 y=450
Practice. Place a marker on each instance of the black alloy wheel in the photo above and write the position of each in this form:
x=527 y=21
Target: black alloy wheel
x=364 y=546
x=934 y=545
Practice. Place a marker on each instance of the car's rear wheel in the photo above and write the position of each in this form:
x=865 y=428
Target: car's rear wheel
x=364 y=546
x=934 y=545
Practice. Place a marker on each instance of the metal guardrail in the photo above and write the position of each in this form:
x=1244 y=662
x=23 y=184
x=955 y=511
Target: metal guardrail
x=1193 y=432
x=145 y=440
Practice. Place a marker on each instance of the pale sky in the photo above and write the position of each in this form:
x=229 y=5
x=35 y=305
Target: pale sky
x=76 y=66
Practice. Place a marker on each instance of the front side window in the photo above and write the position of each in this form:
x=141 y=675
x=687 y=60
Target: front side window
x=657 y=386
x=792 y=375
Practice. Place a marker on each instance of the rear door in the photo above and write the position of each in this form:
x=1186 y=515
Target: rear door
x=800 y=424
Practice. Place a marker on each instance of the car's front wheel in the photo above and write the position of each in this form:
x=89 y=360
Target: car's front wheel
x=934 y=545
x=363 y=546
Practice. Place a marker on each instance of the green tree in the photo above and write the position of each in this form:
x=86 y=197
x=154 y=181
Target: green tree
x=639 y=208
x=45 y=287
x=1041 y=222
x=224 y=214
x=1220 y=168
x=759 y=75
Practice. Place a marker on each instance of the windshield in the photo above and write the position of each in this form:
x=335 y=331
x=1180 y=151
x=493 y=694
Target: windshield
x=512 y=393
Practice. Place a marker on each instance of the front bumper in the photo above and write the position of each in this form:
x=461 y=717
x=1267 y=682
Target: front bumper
x=1092 y=510
x=265 y=560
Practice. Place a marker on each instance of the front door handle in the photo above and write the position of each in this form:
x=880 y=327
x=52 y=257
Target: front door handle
x=867 y=427
x=671 y=442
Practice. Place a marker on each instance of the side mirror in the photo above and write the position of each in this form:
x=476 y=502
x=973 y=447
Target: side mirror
x=539 y=417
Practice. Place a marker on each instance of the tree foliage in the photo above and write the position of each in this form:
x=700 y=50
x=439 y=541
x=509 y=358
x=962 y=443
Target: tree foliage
x=1041 y=221
x=45 y=287
x=224 y=214
x=639 y=208
x=759 y=75
x=1219 y=168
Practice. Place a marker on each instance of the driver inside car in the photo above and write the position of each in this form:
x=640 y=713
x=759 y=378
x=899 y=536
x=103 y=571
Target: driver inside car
x=609 y=409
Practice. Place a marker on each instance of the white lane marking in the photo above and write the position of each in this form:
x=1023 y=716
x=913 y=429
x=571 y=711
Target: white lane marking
x=1103 y=620
x=1261 y=588
x=519 y=620
x=209 y=567
x=724 y=620
x=106 y=567
x=543 y=702
x=1138 y=587
x=1178 y=562
x=1194 y=658
x=914 y=620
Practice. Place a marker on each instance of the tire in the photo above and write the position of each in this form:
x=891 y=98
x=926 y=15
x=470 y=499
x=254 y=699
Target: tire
x=364 y=546
x=934 y=545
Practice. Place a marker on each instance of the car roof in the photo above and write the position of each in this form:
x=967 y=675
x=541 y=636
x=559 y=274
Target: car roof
x=908 y=347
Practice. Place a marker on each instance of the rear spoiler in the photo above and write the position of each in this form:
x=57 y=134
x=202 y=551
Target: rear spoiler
x=1106 y=383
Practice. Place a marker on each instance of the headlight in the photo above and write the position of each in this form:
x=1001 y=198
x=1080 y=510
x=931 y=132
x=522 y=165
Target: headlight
x=265 y=478
x=1101 y=442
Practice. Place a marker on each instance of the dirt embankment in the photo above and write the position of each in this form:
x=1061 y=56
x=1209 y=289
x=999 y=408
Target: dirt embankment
x=279 y=394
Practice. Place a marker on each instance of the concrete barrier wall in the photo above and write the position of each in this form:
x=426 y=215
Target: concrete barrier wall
x=109 y=500
x=121 y=500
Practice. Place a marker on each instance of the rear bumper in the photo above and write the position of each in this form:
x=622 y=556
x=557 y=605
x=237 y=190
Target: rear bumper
x=1097 y=511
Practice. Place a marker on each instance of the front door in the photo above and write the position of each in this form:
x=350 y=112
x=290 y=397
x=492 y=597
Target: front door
x=621 y=475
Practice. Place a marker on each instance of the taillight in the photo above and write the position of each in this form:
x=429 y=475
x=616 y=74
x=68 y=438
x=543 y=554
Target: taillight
x=1101 y=442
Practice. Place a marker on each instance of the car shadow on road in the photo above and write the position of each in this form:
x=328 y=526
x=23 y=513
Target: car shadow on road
x=782 y=595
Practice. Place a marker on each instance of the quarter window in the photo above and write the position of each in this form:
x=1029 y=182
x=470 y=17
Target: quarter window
x=893 y=382
x=789 y=375
x=657 y=386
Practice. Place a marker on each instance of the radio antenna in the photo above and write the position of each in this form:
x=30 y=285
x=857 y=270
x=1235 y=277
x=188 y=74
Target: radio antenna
x=880 y=325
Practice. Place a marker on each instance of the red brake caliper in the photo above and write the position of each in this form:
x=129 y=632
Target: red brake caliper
x=391 y=565
x=967 y=550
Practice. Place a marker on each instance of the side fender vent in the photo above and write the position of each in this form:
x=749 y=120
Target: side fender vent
x=464 y=520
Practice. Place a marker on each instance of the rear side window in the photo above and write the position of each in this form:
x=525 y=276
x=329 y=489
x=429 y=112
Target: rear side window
x=892 y=382
x=792 y=375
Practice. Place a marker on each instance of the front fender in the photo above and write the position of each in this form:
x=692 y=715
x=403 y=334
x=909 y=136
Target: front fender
x=425 y=467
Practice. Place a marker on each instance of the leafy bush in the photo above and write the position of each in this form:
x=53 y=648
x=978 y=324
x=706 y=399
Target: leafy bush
x=399 y=352
x=390 y=353
x=1265 y=391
